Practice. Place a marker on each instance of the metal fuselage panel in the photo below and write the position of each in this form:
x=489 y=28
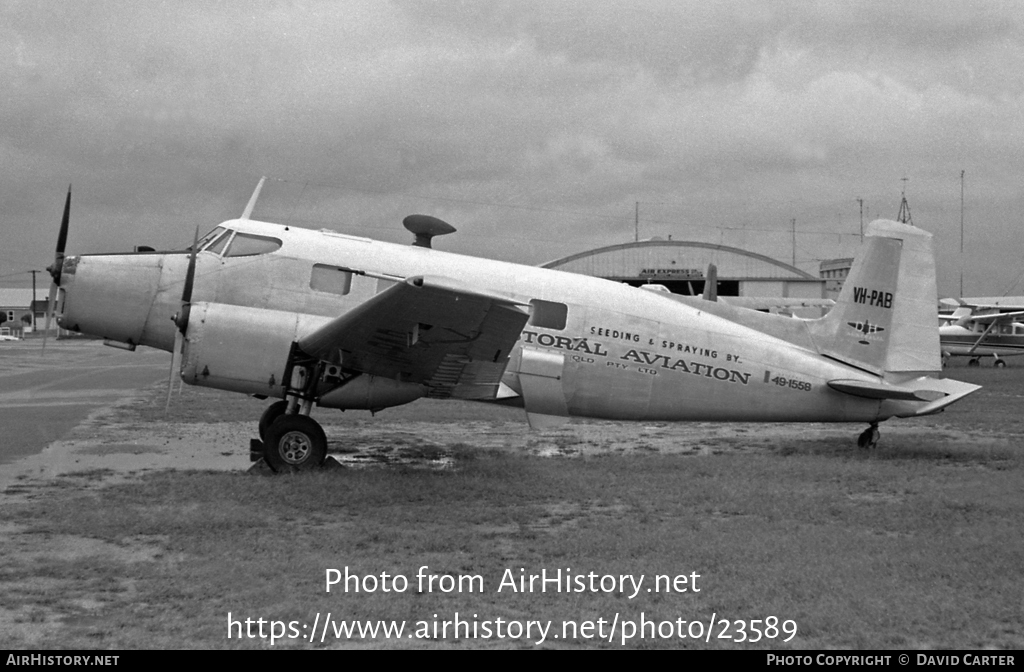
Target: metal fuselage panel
x=627 y=353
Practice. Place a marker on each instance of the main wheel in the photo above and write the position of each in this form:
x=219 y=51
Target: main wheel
x=295 y=443
x=273 y=412
x=999 y=364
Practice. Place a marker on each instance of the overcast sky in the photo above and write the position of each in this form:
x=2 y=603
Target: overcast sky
x=534 y=127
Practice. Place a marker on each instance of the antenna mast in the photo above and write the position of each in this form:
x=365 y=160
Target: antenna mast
x=904 y=215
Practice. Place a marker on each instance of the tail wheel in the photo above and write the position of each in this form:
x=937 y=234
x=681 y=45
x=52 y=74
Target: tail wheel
x=273 y=412
x=295 y=443
x=869 y=438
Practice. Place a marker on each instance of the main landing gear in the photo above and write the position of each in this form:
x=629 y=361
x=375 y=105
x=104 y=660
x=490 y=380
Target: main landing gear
x=290 y=440
x=295 y=443
x=997 y=362
x=869 y=437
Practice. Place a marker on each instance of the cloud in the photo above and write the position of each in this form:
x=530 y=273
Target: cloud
x=532 y=116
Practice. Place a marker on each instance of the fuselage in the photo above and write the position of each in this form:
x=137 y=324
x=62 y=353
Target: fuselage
x=1003 y=340
x=621 y=352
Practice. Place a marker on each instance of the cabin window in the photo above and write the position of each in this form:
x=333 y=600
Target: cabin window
x=547 y=314
x=330 y=279
x=247 y=245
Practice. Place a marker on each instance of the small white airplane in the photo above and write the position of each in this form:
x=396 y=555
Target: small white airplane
x=982 y=327
x=318 y=318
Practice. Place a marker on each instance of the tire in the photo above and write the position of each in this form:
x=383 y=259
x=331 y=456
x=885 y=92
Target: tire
x=999 y=364
x=868 y=438
x=295 y=443
x=273 y=412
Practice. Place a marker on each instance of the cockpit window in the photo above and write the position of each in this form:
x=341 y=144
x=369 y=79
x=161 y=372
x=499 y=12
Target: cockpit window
x=218 y=245
x=246 y=244
x=205 y=240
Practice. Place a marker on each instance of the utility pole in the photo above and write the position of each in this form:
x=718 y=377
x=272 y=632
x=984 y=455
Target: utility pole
x=861 y=201
x=636 y=224
x=34 y=291
x=962 y=233
x=794 y=243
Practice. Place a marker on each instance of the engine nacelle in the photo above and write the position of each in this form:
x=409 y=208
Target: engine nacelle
x=241 y=349
x=246 y=350
x=372 y=393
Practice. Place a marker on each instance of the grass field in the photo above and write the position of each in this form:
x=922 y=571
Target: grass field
x=915 y=545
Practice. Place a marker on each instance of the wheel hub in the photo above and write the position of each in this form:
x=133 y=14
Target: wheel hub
x=295 y=447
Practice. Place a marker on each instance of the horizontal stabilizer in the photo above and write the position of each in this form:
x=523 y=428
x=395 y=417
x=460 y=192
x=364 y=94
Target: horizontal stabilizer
x=869 y=390
x=937 y=392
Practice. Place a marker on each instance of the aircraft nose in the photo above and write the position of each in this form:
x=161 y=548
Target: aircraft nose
x=109 y=295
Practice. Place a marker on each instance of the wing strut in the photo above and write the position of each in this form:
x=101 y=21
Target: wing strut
x=982 y=337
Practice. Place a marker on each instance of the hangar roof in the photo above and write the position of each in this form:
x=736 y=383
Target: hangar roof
x=16 y=298
x=677 y=258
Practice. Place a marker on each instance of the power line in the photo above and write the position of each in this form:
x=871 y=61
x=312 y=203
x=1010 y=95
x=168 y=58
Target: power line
x=530 y=208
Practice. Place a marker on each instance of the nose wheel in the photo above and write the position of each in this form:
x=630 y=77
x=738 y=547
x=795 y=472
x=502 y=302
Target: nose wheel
x=869 y=437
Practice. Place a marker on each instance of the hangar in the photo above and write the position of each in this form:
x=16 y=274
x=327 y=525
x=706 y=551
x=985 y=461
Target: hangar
x=681 y=266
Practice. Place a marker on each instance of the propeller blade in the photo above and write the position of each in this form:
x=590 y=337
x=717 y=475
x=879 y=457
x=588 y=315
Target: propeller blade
x=179 y=341
x=190 y=274
x=181 y=318
x=62 y=237
x=49 y=313
x=58 y=264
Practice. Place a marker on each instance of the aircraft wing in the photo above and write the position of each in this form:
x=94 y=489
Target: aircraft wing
x=987 y=302
x=997 y=318
x=452 y=338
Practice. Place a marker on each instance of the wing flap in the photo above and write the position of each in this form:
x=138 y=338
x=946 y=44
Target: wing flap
x=452 y=338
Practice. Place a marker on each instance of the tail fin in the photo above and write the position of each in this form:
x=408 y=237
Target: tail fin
x=711 y=284
x=885 y=319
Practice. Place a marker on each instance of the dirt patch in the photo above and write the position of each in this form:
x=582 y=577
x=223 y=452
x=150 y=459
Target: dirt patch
x=106 y=442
